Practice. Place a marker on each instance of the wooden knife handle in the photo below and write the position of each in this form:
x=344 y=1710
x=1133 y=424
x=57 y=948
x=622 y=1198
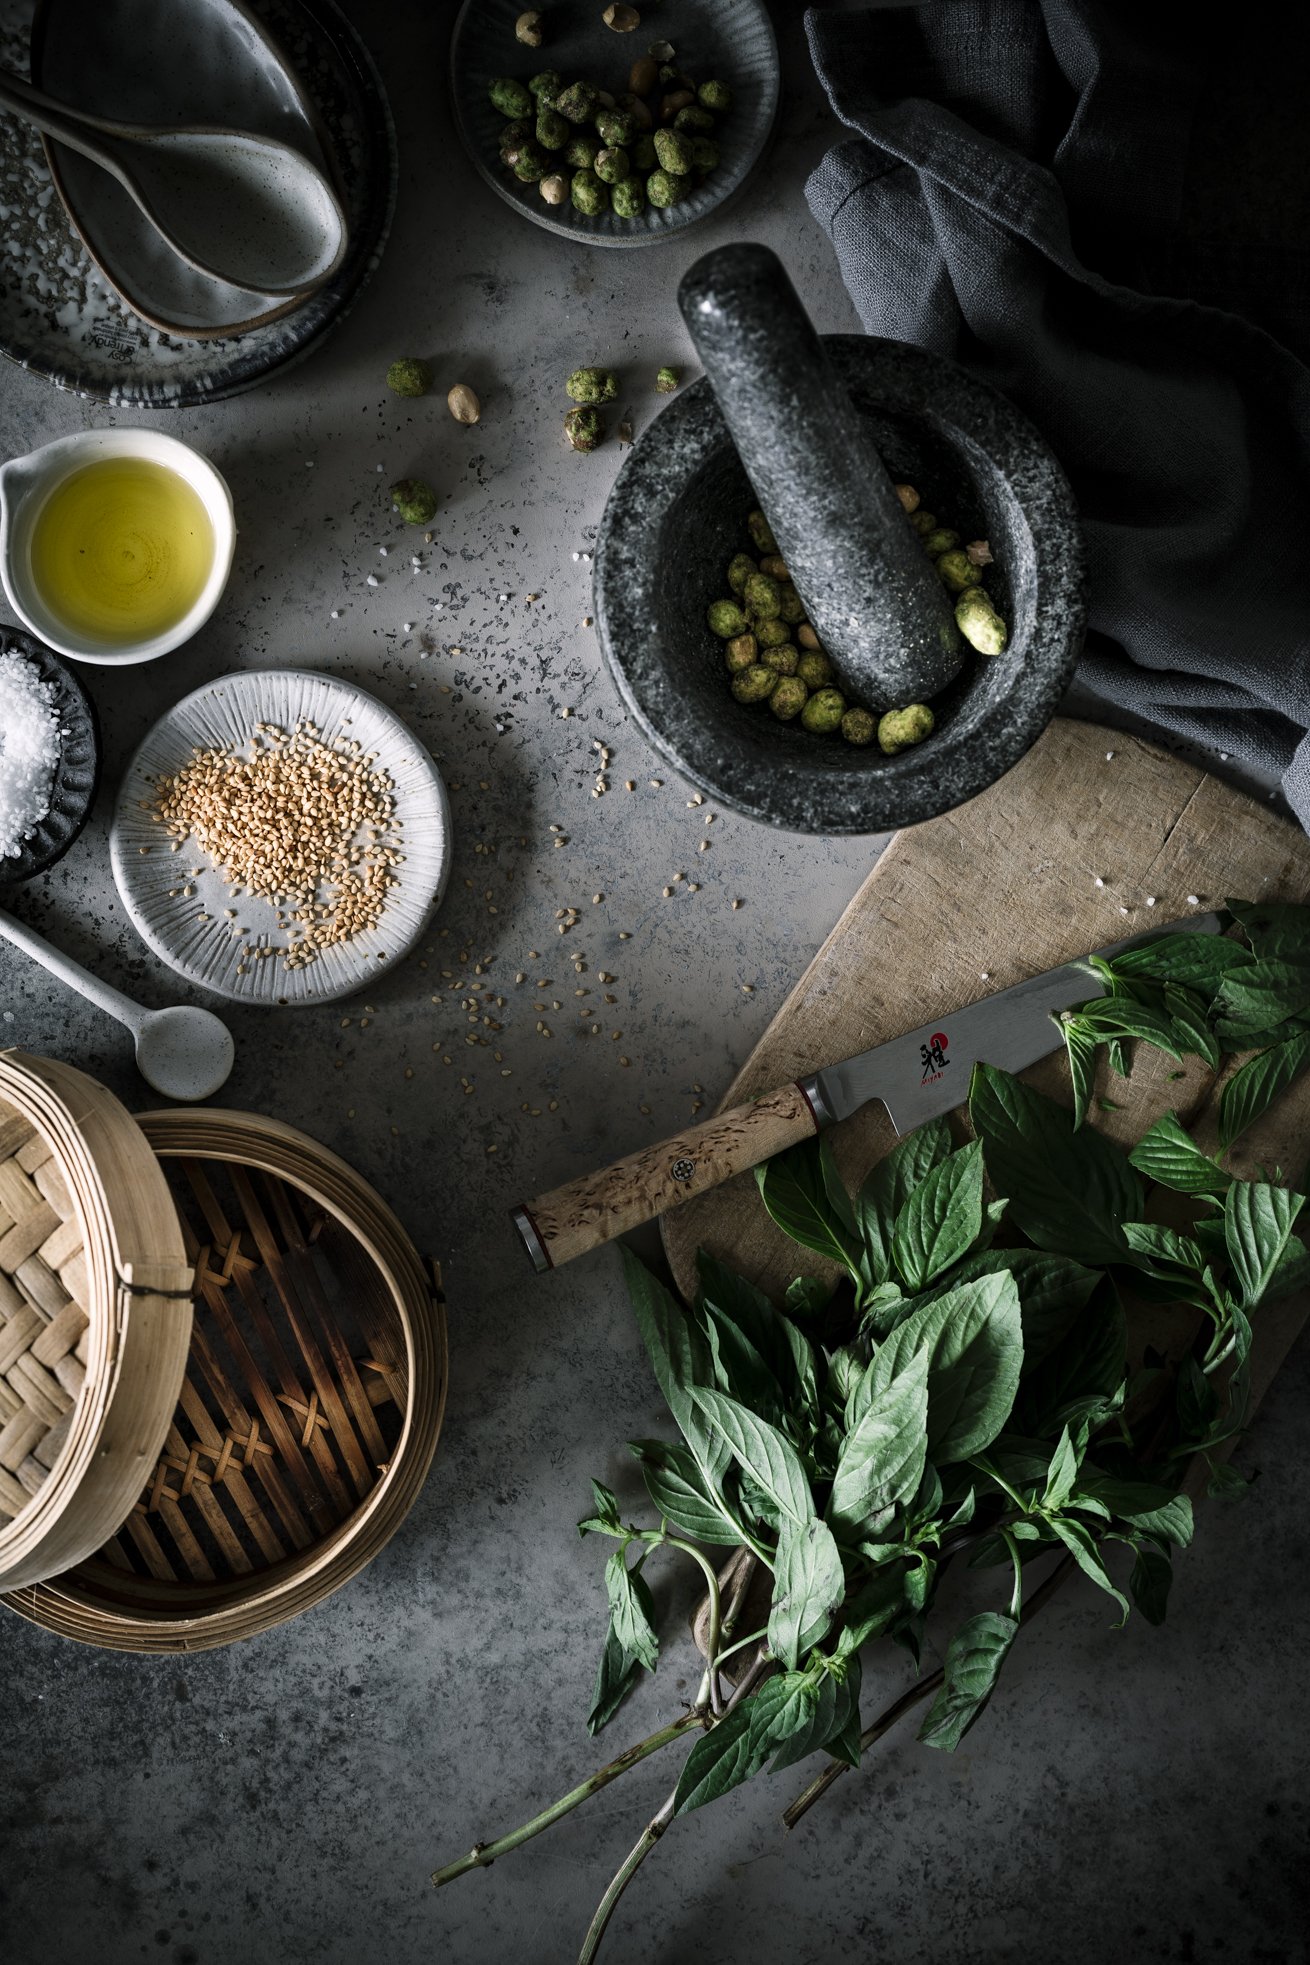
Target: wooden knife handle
x=584 y=1213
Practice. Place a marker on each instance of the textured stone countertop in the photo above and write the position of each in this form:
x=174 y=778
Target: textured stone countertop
x=1130 y=1795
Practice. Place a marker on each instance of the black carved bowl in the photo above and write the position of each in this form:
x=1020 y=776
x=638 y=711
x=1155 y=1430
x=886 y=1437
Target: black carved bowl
x=77 y=772
x=676 y=516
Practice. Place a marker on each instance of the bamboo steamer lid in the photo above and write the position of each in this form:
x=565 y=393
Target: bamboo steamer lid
x=95 y=1315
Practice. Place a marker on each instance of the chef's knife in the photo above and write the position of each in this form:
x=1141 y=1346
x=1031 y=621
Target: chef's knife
x=918 y=1075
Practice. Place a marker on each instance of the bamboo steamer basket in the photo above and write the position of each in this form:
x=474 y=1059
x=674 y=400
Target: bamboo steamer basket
x=95 y=1315
x=310 y=1411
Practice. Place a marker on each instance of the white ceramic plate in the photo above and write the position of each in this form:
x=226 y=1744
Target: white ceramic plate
x=225 y=712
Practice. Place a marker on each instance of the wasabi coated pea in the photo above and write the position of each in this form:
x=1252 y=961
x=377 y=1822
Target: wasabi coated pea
x=588 y=193
x=673 y=151
x=530 y=162
x=761 y=533
x=979 y=622
x=772 y=634
x=940 y=541
x=553 y=132
x=409 y=377
x=814 y=668
x=762 y=597
x=592 y=385
x=666 y=381
x=741 y=567
x=824 y=711
x=582 y=152
x=693 y=121
x=714 y=95
x=908 y=496
x=859 y=727
x=579 y=102
x=546 y=86
x=704 y=154
x=584 y=428
x=663 y=189
x=726 y=620
x=783 y=660
x=899 y=729
x=512 y=135
x=775 y=566
x=628 y=198
x=415 y=501
x=789 y=698
x=555 y=188
x=923 y=522
x=615 y=128
x=510 y=97
x=957 y=571
x=791 y=606
x=741 y=652
x=755 y=685
x=612 y=166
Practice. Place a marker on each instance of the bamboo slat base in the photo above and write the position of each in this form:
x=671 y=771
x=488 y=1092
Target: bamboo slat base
x=310 y=1411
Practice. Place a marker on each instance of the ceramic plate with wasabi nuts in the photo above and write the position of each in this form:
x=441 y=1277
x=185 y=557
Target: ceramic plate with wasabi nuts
x=695 y=80
x=281 y=838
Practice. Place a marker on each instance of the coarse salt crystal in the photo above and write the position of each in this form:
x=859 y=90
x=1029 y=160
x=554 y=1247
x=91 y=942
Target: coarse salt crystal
x=29 y=750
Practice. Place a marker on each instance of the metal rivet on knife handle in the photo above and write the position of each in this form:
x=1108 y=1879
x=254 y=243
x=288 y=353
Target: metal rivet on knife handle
x=584 y=1213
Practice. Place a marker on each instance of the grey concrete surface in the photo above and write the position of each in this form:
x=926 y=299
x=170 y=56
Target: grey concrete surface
x=1130 y=1795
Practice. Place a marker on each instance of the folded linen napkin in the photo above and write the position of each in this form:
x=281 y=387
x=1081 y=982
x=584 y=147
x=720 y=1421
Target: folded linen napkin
x=1105 y=213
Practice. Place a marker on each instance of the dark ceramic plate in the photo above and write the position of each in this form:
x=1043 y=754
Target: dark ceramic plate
x=729 y=40
x=60 y=317
x=77 y=774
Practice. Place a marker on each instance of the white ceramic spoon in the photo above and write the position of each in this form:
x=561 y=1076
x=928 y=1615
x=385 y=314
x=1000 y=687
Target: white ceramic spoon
x=238 y=207
x=185 y=1053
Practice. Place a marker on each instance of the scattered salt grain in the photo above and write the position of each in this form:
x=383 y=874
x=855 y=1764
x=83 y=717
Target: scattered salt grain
x=1193 y=900
x=372 y=579
x=29 y=750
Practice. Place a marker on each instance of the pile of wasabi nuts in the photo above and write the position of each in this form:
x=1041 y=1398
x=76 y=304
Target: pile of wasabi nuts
x=580 y=145
x=774 y=656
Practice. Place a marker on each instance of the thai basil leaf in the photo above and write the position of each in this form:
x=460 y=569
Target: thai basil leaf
x=1258 y=1220
x=720 y=1760
x=873 y=1609
x=883 y=1309
x=1063 y=1473
x=605 y=1521
x=806 y=1296
x=1149 y=1583
x=1198 y=961
x=974 y=1658
x=1080 y=1049
x=739 y=1369
x=1255 y=999
x=882 y=1457
x=843 y=1742
x=1277 y=930
x=890 y=1186
x=1253 y=1088
x=678 y=1488
x=767 y=1456
x=784 y=1708
x=941 y=1220
x=802 y=1725
x=808 y=1586
x=1052 y=1290
x=837 y=1700
x=1196 y=1400
x=1292 y=1271
x=1068 y=1191
x=1173 y=1522
x=1119 y=1017
x=1090 y=1361
x=1225 y=1483
x=972 y=1339
x=804 y=1195
x=785 y=1350
x=1192 y=1034
x=1166 y=1153
x=615 y=1677
x=1157 y=1247
x=1081 y=1544
x=681 y=1357
x=632 y=1613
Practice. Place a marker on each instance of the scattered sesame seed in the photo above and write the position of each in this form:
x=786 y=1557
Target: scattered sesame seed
x=655 y=783
x=1099 y=881
x=1150 y=900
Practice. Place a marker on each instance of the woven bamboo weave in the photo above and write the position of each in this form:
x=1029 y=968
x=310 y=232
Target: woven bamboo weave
x=43 y=1324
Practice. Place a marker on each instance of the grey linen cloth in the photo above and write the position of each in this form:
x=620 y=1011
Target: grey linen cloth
x=1100 y=210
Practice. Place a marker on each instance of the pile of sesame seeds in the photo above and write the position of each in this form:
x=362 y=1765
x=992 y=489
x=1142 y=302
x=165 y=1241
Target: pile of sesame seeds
x=297 y=820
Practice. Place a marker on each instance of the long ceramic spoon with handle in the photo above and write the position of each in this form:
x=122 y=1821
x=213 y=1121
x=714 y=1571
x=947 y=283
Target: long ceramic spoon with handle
x=236 y=206
x=184 y=1052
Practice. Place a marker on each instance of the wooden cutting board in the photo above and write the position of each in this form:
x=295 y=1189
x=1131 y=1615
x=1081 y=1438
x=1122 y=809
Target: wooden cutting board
x=1001 y=889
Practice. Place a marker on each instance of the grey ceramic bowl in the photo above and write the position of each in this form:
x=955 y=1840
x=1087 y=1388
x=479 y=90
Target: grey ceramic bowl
x=676 y=516
x=729 y=40
x=77 y=774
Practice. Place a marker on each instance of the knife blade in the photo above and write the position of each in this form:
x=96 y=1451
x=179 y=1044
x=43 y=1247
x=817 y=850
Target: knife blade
x=917 y=1075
